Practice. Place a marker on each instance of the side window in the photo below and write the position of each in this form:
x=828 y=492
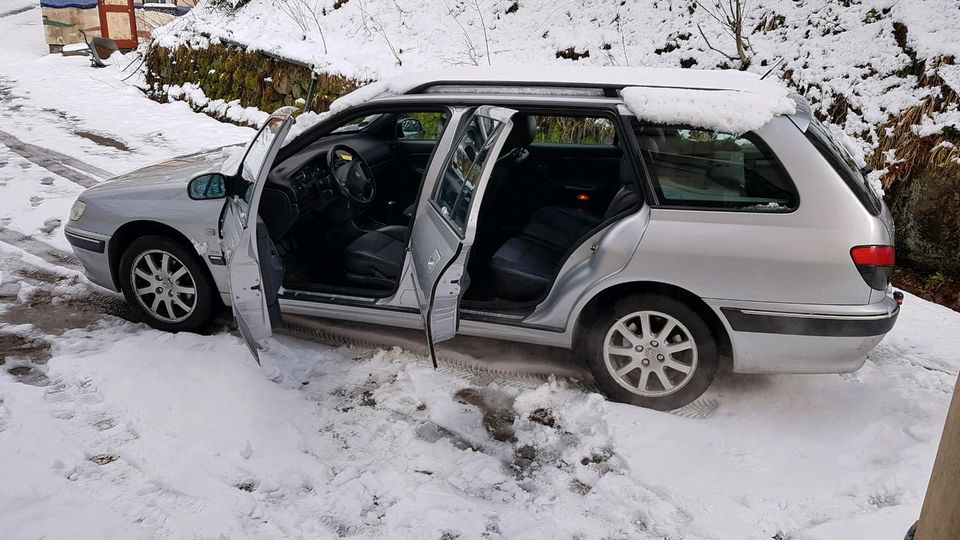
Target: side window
x=574 y=130
x=707 y=169
x=454 y=192
x=421 y=126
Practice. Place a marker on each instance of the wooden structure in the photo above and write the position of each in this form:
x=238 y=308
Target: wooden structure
x=118 y=22
x=940 y=516
x=127 y=23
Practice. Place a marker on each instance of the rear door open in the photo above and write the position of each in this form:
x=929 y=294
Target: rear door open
x=445 y=225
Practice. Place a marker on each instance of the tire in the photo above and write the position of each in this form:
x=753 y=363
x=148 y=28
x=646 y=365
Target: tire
x=615 y=343
x=143 y=259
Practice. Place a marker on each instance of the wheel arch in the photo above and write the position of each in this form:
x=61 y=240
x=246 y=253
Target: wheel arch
x=130 y=231
x=614 y=292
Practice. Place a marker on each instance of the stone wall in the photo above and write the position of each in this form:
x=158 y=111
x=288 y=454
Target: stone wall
x=230 y=73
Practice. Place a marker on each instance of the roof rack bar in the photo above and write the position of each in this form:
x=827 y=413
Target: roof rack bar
x=608 y=90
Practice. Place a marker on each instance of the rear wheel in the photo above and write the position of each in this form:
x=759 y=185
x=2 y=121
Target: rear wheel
x=165 y=285
x=651 y=350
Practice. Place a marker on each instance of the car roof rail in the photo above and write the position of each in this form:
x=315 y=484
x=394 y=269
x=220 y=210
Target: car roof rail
x=516 y=88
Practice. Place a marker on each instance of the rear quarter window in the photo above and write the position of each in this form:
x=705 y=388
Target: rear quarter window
x=698 y=168
x=845 y=165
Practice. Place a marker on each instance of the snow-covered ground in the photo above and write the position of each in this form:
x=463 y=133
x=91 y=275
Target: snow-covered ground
x=109 y=429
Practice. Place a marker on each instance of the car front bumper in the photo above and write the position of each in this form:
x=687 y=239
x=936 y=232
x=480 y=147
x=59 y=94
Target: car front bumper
x=778 y=338
x=91 y=249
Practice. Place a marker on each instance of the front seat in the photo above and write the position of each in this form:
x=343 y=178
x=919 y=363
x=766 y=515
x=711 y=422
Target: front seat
x=375 y=259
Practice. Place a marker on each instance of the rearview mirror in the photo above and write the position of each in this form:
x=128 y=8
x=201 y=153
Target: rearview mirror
x=408 y=128
x=207 y=186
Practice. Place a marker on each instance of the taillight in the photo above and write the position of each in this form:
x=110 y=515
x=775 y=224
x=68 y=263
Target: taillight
x=874 y=255
x=875 y=264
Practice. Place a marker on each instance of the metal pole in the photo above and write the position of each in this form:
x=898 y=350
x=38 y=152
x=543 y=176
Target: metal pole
x=940 y=516
x=313 y=85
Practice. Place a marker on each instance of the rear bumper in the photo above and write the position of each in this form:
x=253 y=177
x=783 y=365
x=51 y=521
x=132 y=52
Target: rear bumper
x=777 y=338
x=91 y=249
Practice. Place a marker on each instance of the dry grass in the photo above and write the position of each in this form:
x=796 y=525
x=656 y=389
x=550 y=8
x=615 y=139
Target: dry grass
x=912 y=152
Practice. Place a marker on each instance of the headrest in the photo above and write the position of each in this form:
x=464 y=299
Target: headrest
x=523 y=132
x=648 y=143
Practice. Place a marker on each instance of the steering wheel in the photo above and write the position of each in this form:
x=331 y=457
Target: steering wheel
x=352 y=174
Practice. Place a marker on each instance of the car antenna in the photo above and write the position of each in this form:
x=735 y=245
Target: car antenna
x=775 y=66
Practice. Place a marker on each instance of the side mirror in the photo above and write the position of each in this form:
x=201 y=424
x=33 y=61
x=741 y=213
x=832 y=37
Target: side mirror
x=207 y=186
x=408 y=128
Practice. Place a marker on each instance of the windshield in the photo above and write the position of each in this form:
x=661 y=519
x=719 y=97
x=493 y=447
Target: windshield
x=844 y=164
x=254 y=162
x=257 y=153
x=358 y=124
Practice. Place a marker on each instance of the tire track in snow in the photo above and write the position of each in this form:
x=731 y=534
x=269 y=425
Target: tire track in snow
x=473 y=369
x=17 y=11
x=39 y=249
x=70 y=168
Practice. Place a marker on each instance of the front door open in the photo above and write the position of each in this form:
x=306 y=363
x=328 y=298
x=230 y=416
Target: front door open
x=243 y=236
x=445 y=225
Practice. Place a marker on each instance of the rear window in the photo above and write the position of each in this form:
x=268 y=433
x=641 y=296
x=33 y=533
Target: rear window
x=700 y=168
x=845 y=165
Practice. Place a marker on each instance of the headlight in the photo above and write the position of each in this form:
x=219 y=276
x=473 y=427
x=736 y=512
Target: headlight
x=77 y=210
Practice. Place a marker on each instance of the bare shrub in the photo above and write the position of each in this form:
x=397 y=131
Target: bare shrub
x=306 y=15
x=731 y=15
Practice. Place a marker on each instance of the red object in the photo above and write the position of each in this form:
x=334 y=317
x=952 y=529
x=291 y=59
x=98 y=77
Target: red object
x=873 y=255
x=118 y=22
x=583 y=197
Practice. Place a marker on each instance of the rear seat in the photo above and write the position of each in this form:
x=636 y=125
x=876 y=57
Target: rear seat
x=524 y=266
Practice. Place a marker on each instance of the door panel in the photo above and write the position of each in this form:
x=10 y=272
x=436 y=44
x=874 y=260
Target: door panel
x=581 y=167
x=561 y=174
x=417 y=153
x=253 y=286
x=445 y=227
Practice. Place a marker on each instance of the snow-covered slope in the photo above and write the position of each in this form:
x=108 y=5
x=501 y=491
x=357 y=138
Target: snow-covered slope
x=827 y=49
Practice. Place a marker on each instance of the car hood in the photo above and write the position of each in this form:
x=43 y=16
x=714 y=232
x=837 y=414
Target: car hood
x=171 y=174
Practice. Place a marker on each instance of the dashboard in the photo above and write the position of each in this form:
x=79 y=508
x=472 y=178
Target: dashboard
x=312 y=175
x=301 y=185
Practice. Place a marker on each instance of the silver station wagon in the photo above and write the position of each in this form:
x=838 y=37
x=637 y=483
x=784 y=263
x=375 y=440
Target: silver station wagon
x=531 y=205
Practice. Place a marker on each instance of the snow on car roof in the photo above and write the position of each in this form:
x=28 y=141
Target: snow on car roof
x=729 y=111
x=728 y=100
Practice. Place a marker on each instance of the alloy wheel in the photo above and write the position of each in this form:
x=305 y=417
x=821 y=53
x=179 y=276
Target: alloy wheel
x=650 y=353
x=163 y=285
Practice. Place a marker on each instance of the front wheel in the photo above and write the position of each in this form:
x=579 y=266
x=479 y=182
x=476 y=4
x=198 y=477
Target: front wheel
x=651 y=350
x=165 y=285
